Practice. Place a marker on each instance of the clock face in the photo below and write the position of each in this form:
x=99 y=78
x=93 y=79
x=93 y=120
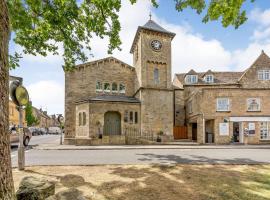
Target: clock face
x=156 y=45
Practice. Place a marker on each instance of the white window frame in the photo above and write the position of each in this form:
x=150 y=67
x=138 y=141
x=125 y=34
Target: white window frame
x=258 y=100
x=107 y=90
x=101 y=86
x=122 y=91
x=218 y=104
x=191 y=79
x=264 y=75
x=262 y=131
x=209 y=78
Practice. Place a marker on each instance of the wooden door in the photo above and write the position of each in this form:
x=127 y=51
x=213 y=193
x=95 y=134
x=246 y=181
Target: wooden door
x=194 y=132
x=112 y=123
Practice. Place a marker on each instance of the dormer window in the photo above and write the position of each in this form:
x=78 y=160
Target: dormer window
x=209 y=78
x=191 y=79
x=264 y=75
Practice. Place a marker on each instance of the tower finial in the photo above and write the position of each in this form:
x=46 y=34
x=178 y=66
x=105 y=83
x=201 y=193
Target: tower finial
x=150 y=15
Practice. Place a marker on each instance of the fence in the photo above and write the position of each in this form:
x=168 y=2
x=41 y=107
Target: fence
x=135 y=133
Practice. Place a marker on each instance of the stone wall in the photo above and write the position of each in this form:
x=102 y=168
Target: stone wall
x=81 y=84
x=157 y=111
x=179 y=107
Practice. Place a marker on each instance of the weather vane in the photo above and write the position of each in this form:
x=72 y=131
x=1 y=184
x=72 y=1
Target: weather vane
x=150 y=15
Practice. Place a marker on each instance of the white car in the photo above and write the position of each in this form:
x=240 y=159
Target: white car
x=54 y=130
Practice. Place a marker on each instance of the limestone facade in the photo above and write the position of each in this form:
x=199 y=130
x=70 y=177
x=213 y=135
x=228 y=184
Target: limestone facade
x=248 y=105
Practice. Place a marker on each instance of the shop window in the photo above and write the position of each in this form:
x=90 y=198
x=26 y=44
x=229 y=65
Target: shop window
x=107 y=87
x=264 y=131
x=253 y=104
x=122 y=88
x=98 y=86
x=223 y=104
x=114 y=88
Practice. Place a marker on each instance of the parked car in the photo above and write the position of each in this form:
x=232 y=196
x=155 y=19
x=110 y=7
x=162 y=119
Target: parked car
x=34 y=131
x=54 y=130
x=14 y=136
x=44 y=131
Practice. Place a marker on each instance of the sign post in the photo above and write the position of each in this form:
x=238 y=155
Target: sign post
x=20 y=97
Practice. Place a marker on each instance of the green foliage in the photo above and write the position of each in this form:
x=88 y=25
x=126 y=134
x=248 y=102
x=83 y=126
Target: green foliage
x=42 y=26
x=30 y=118
x=228 y=10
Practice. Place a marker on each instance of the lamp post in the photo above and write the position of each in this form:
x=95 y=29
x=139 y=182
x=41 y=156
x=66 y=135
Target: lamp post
x=20 y=97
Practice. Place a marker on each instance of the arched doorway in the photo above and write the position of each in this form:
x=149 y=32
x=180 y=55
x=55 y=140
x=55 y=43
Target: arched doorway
x=112 y=123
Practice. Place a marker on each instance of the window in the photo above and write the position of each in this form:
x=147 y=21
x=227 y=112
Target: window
x=191 y=79
x=98 y=86
x=84 y=119
x=114 y=88
x=131 y=117
x=253 y=104
x=264 y=131
x=223 y=104
x=126 y=116
x=136 y=118
x=107 y=87
x=264 y=75
x=80 y=119
x=209 y=78
x=122 y=88
x=156 y=76
x=190 y=107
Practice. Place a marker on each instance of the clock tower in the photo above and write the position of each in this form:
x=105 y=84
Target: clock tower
x=151 y=51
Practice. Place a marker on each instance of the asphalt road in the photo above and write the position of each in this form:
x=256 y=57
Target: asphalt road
x=139 y=156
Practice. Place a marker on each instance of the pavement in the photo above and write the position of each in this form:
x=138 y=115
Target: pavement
x=45 y=150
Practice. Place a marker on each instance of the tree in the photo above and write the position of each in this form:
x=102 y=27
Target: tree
x=41 y=25
x=30 y=118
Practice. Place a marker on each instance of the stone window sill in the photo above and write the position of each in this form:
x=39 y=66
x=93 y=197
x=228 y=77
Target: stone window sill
x=224 y=111
x=253 y=111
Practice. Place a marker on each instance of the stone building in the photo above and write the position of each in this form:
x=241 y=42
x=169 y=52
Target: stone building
x=225 y=107
x=107 y=98
x=14 y=115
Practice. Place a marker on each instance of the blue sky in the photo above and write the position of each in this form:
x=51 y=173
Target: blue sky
x=196 y=45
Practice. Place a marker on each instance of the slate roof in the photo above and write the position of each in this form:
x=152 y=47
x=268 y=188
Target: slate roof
x=110 y=98
x=219 y=77
x=152 y=26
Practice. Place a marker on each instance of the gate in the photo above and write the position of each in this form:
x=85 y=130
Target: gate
x=180 y=132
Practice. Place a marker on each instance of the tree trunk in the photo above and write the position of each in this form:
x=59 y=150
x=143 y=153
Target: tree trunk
x=6 y=180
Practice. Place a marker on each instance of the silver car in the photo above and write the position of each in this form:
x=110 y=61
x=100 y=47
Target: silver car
x=14 y=136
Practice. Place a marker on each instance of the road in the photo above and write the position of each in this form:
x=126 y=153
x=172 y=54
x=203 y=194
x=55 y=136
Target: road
x=139 y=156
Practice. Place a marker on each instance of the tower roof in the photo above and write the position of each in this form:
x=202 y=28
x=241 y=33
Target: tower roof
x=151 y=26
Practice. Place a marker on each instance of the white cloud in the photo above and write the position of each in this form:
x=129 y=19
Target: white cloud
x=261 y=17
x=47 y=94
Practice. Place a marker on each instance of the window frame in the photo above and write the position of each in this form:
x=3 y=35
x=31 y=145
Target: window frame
x=264 y=75
x=209 y=80
x=107 y=90
x=101 y=88
x=113 y=84
x=122 y=91
x=259 y=102
x=228 y=104
x=266 y=129
x=189 y=79
x=136 y=119
x=156 y=76
x=131 y=117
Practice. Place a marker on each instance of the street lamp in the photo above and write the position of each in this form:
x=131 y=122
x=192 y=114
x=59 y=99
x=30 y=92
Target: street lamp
x=20 y=97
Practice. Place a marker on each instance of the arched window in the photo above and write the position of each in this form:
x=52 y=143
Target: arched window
x=84 y=118
x=80 y=119
x=98 y=86
x=107 y=87
x=122 y=88
x=156 y=76
x=114 y=88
